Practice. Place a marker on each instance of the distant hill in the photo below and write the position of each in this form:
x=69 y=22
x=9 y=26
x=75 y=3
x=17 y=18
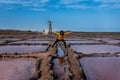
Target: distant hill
x=8 y=31
x=18 y=33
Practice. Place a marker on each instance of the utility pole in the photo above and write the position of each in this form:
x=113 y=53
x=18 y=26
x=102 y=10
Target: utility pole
x=50 y=27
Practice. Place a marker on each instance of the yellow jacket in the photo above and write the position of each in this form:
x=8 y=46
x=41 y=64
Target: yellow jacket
x=60 y=37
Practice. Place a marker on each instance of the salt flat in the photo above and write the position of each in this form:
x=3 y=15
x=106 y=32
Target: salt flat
x=22 y=48
x=89 y=49
x=16 y=69
x=101 y=68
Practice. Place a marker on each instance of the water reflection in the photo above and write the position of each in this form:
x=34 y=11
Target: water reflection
x=60 y=52
x=59 y=73
x=59 y=60
x=59 y=68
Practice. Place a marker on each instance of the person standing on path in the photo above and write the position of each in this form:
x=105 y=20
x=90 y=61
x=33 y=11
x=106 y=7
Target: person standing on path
x=60 y=37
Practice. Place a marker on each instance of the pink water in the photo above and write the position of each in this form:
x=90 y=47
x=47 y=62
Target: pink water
x=88 y=49
x=22 y=49
x=16 y=69
x=13 y=39
x=101 y=68
x=31 y=42
x=40 y=39
x=85 y=41
x=109 y=40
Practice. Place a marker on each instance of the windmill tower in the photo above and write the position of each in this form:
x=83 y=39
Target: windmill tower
x=50 y=27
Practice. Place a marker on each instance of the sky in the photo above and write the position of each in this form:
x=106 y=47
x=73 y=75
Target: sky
x=72 y=15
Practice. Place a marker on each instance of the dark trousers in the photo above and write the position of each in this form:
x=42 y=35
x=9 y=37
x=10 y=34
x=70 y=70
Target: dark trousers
x=57 y=40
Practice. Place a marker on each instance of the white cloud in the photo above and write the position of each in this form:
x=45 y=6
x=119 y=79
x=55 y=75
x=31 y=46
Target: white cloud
x=9 y=1
x=44 y=1
x=77 y=6
x=36 y=5
x=74 y=4
x=107 y=1
x=69 y=1
x=25 y=2
x=115 y=6
x=38 y=9
x=104 y=6
x=55 y=6
x=109 y=6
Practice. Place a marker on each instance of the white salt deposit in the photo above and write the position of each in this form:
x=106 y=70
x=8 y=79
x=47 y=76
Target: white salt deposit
x=96 y=48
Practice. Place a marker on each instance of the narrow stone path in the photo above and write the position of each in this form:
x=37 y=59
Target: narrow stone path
x=74 y=65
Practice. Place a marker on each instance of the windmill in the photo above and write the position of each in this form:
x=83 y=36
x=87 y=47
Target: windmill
x=50 y=26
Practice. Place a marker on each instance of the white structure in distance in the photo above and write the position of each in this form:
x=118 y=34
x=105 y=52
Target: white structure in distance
x=45 y=31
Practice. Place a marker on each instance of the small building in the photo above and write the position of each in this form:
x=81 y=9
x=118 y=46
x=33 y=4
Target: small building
x=45 y=31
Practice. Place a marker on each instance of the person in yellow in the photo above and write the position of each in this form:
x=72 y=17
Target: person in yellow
x=60 y=37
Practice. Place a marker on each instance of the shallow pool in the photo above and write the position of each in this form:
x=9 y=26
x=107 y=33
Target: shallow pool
x=88 y=49
x=34 y=42
x=22 y=49
x=16 y=69
x=85 y=41
x=101 y=68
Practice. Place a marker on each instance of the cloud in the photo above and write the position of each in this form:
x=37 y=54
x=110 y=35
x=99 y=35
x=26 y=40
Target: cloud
x=25 y=2
x=69 y=1
x=77 y=6
x=44 y=1
x=116 y=6
x=104 y=6
x=9 y=1
x=108 y=1
x=38 y=9
x=39 y=5
x=36 y=5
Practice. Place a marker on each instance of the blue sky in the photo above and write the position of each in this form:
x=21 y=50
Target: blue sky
x=74 y=15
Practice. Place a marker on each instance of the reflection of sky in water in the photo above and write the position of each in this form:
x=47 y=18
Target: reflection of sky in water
x=95 y=48
x=58 y=70
x=60 y=52
x=22 y=49
x=101 y=68
x=59 y=59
